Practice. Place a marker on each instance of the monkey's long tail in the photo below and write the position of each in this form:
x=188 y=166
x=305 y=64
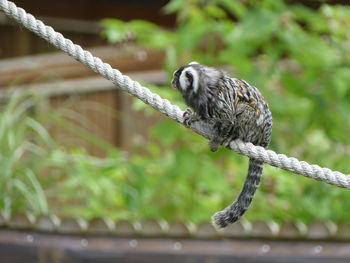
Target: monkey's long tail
x=234 y=211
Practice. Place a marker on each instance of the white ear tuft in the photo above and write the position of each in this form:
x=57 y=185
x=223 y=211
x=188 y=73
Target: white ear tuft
x=185 y=82
x=193 y=63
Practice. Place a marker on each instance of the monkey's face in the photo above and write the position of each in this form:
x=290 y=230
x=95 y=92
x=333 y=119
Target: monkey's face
x=194 y=79
x=186 y=78
x=198 y=85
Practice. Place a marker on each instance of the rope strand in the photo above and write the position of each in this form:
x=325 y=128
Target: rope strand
x=164 y=106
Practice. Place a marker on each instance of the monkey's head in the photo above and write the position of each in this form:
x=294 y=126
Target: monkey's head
x=194 y=79
x=197 y=84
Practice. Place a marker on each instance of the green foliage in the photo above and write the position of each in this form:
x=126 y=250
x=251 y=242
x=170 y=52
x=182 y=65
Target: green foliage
x=172 y=185
x=33 y=163
x=45 y=175
x=299 y=58
x=22 y=141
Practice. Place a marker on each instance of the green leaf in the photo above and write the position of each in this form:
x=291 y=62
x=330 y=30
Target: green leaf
x=174 y=6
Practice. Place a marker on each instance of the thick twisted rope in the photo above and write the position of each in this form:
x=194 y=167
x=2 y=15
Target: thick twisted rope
x=172 y=111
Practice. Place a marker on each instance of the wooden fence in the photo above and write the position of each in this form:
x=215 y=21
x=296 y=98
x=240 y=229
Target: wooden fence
x=70 y=84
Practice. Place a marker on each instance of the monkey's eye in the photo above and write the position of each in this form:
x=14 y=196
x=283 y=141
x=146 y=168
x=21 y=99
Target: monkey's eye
x=189 y=76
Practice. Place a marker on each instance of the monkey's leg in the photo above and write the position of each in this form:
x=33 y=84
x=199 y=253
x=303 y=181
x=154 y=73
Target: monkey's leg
x=223 y=130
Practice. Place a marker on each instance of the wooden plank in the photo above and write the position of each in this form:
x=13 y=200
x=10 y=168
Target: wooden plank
x=12 y=253
x=107 y=248
x=84 y=85
x=94 y=114
x=7 y=34
x=134 y=125
x=96 y=10
x=62 y=24
x=81 y=29
x=17 y=41
x=46 y=67
x=108 y=113
x=105 y=118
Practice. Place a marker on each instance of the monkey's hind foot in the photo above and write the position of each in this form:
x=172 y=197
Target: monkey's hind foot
x=189 y=117
x=214 y=144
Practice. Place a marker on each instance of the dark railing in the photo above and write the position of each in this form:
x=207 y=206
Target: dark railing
x=24 y=238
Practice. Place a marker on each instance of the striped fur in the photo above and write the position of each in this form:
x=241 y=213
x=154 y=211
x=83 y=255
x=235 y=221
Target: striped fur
x=236 y=110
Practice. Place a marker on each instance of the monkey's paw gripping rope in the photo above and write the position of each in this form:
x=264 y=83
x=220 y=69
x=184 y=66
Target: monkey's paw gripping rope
x=172 y=111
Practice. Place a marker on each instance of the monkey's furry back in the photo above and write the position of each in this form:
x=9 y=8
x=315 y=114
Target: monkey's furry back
x=236 y=110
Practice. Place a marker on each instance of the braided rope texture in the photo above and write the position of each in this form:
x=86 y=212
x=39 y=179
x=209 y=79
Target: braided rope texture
x=172 y=111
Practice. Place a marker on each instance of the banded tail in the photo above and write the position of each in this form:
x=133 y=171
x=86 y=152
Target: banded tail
x=234 y=211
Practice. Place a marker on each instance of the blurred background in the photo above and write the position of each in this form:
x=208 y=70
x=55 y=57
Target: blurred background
x=74 y=147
